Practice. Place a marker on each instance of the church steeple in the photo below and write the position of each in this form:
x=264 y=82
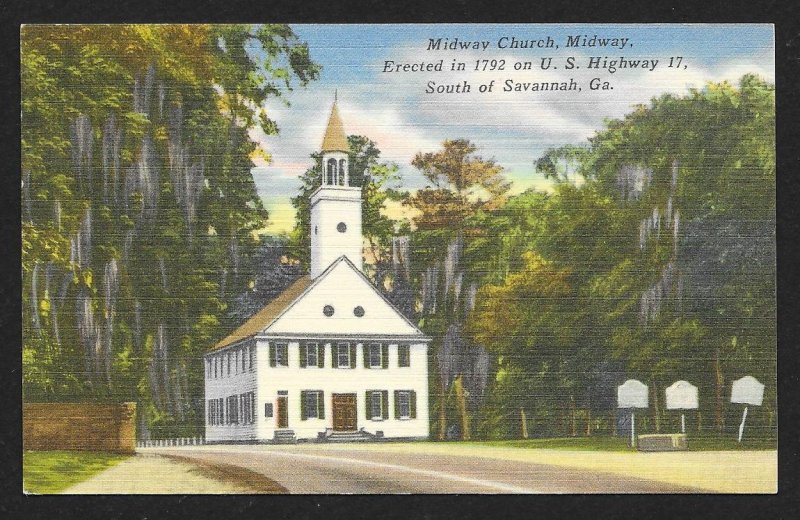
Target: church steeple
x=335 y=168
x=335 y=139
x=335 y=205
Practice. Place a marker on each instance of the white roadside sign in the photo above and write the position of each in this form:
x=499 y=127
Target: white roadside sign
x=747 y=390
x=632 y=394
x=682 y=395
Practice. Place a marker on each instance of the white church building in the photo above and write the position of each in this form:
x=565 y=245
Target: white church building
x=330 y=358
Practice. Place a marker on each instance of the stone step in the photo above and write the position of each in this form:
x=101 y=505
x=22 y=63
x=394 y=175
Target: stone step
x=284 y=437
x=358 y=436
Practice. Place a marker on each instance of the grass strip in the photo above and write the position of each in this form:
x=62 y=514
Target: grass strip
x=45 y=472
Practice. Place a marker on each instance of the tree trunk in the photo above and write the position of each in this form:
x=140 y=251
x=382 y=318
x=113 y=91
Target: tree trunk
x=613 y=420
x=523 y=423
x=589 y=422
x=719 y=419
x=656 y=407
x=442 y=415
x=462 y=408
x=574 y=419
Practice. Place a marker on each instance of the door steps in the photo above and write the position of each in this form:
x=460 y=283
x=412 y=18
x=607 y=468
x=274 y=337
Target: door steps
x=284 y=437
x=349 y=436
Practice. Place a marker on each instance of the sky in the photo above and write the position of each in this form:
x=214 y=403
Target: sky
x=513 y=128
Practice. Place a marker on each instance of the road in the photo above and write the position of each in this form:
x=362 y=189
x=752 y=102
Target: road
x=316 y=469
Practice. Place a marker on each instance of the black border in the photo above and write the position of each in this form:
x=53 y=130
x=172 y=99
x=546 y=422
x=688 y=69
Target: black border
x=785 y=16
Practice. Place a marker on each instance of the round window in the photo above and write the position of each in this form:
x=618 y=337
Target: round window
x=327 y=310
x=359 y=311
x=341 y=227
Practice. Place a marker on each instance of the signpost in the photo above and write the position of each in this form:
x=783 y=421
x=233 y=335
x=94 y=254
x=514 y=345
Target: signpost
x=682 y=395
x=632 y=394
x=748 y=391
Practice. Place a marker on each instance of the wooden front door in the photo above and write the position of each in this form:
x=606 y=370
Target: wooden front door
x=283 y=412
x=344 y=412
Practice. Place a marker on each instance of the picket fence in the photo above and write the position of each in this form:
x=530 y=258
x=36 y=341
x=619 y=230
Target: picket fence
x=168 y=443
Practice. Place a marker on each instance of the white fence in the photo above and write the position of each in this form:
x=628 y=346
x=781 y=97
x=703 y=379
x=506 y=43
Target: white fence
x=168 y=443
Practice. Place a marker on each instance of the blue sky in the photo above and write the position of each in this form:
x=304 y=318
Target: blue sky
x=514 y=128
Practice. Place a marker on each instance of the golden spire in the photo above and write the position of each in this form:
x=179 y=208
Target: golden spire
x=335 y=139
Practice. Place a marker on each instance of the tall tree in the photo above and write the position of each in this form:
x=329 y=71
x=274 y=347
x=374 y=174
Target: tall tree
x=463 y=186
x=138 y=203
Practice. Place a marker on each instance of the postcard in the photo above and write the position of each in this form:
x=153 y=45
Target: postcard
x=404 y=258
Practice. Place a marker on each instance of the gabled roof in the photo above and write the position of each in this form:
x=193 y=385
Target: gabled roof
x=270 y=316
x=335 y=139
x=260 y=320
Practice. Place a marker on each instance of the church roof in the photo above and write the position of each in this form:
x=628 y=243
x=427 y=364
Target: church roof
x=282 y=312
x=335 y=139
x=260 y=320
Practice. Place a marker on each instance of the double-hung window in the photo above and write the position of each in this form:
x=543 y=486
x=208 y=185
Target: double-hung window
x=248 y=404
x=377 y=404
x=312 y=405
x=232 y=409
x=403 y=356
x=279 y=355
x=377 y=401
x=405 y=404
x=312 y=354
x=374 y=355
x=343 y=355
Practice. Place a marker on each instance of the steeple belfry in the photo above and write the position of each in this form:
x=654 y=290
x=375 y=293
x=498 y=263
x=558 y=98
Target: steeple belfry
x=335 y=168
x=335 y=205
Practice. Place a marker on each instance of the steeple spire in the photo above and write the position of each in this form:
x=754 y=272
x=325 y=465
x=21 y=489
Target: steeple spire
x=335 y=139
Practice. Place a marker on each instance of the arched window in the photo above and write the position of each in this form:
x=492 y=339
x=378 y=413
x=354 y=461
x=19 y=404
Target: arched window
x=342 y=171
x=331 y=174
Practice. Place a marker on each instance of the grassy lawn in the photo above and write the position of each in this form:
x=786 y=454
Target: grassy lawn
x=55 y=471
x=566 y=443
x=696 y=443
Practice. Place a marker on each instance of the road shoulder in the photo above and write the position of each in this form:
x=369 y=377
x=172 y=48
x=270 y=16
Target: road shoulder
x=148 y=473
x=712 y=471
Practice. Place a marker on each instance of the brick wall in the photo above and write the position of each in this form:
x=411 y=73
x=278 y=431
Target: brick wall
x=79 y=426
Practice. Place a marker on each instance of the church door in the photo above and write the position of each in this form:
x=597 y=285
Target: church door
x=344 y=412
x=283 y=413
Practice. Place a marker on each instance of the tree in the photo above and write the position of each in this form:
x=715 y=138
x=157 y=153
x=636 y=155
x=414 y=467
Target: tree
x=463 y=183
x=138 y=203
x=707 y=159
x=648 y=223
x=464 y=186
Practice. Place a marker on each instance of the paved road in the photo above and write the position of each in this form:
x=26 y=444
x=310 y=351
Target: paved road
x=321 y=471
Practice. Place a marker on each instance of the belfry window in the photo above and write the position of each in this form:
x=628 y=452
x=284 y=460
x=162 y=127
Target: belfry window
x=331 y=172
x=342 y=171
